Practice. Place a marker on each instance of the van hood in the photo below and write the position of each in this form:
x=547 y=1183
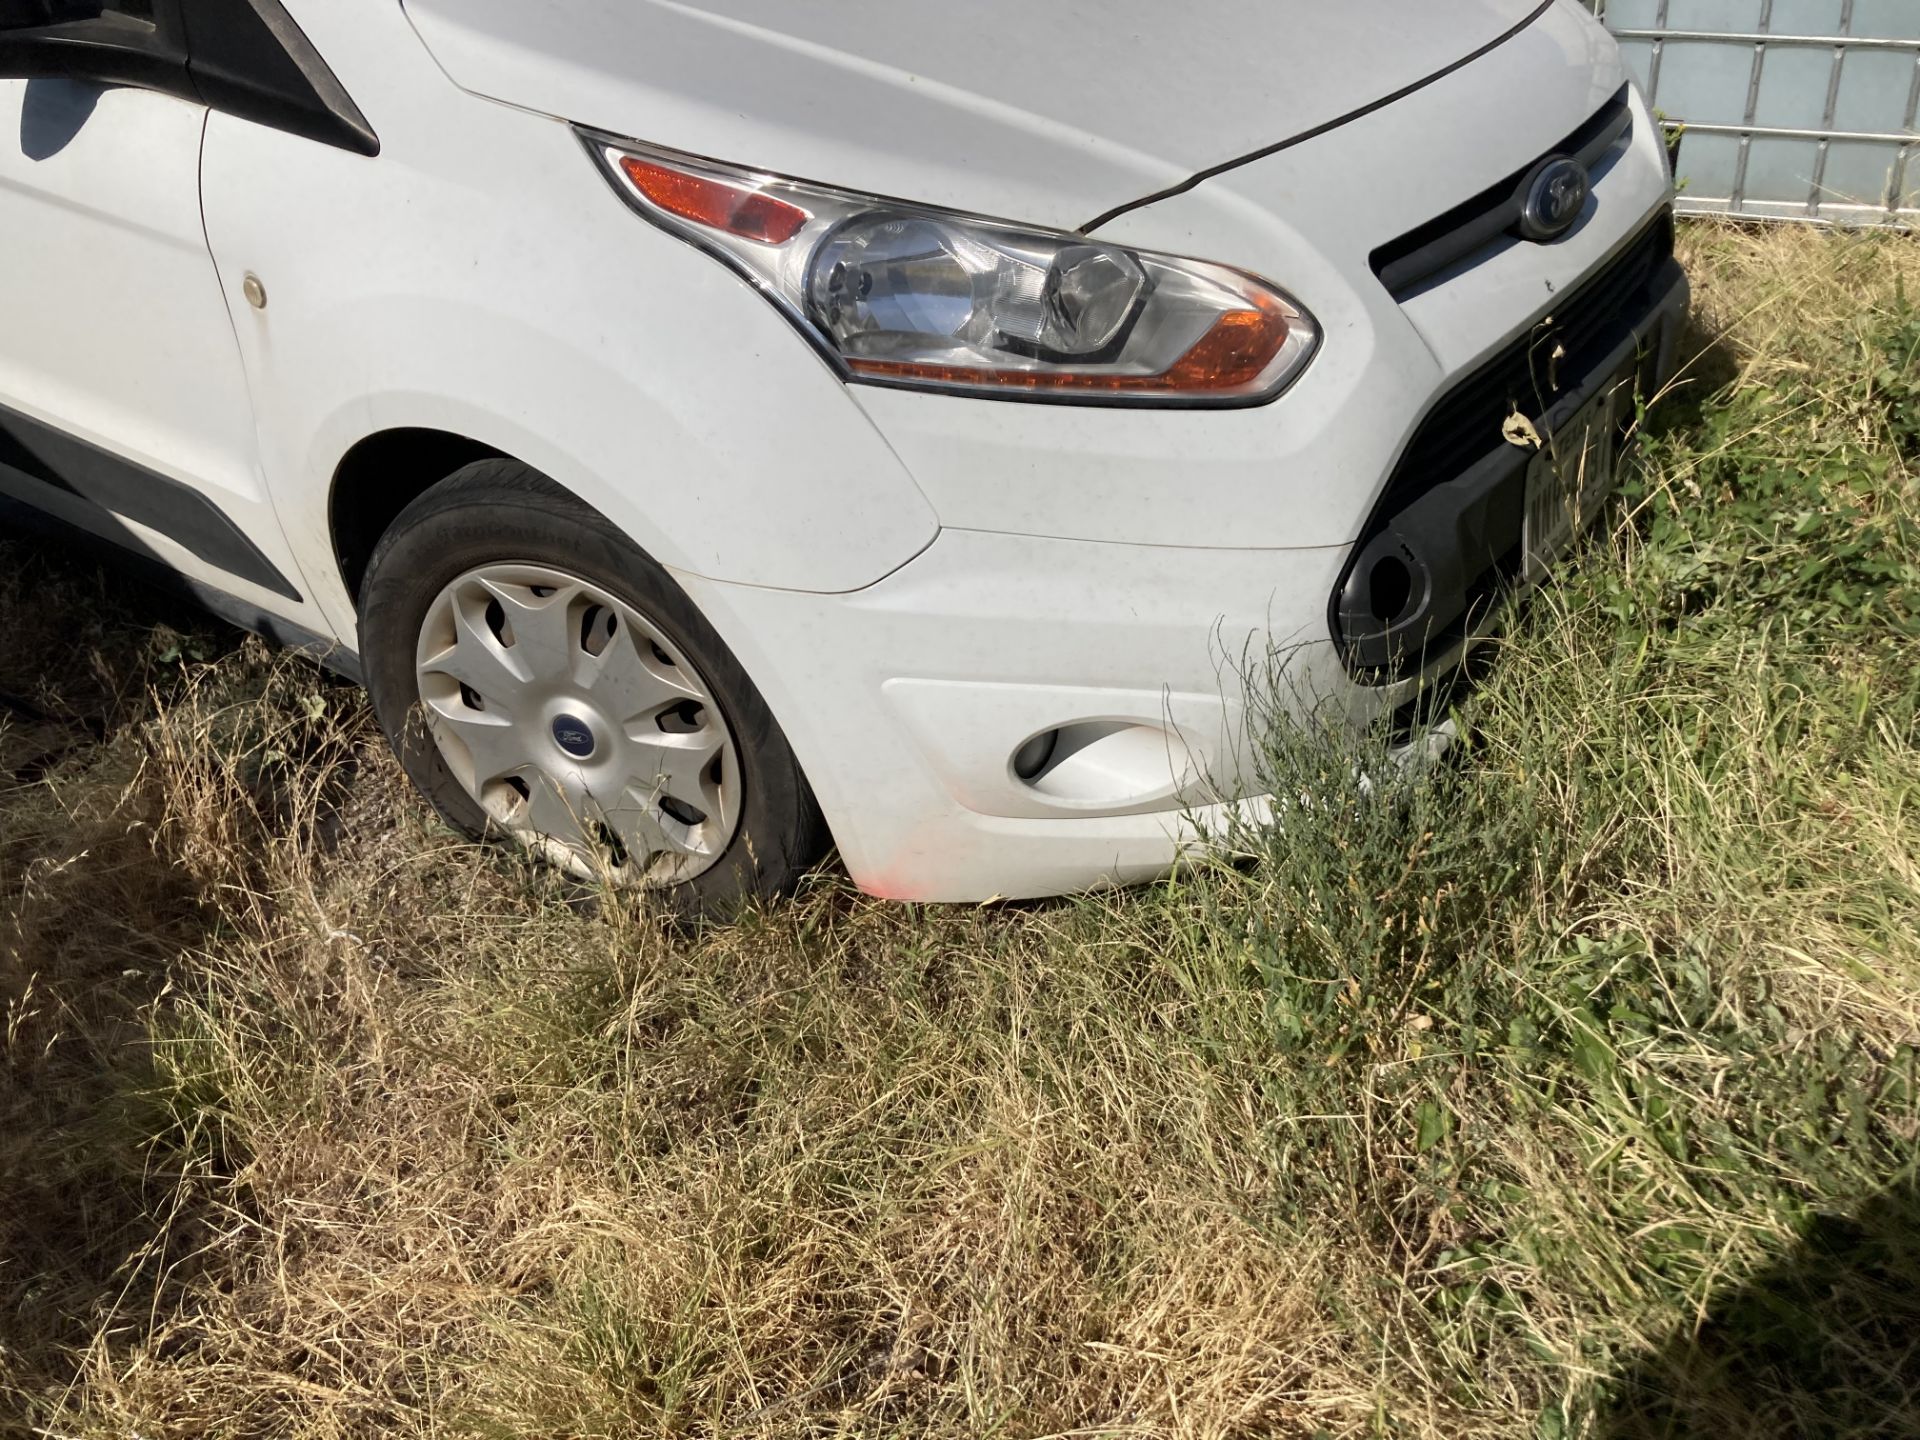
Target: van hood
x=1051 y=112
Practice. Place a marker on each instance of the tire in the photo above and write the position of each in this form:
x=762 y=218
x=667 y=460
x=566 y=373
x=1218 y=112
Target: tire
x=497 y=543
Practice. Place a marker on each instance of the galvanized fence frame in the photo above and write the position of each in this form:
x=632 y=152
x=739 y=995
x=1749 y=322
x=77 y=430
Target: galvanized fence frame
x=1798 y=110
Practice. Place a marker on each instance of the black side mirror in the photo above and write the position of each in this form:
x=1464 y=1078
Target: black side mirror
x=32 y=14
x=244 y=57
x=123 y=42
x=24 y=14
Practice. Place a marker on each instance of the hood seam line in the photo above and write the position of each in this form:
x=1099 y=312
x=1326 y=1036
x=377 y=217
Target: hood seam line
x=1200 y=177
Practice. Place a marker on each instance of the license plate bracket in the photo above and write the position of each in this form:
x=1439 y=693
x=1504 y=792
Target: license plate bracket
x=1569 y=481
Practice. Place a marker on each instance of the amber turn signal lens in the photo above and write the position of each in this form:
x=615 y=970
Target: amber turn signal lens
x=719 y=206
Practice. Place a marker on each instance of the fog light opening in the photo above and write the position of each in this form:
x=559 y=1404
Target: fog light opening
x=1389 y=588
x=1111 y=764
x=1030 y=760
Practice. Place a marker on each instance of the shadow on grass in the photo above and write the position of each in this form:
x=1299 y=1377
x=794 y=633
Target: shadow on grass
x=1824 y=1344
x=95 y=1229
x=1708 y=365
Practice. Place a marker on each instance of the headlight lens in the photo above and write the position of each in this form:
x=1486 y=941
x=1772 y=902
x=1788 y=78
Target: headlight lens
x=898 y=295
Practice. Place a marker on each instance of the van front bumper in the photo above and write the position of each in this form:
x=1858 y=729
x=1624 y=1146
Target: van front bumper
x=910 y=703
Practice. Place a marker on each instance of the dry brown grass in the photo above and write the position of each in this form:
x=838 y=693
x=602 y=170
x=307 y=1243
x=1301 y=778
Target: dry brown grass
x=318 y=1123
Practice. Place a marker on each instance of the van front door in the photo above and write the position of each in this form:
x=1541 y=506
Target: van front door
x=123 y=401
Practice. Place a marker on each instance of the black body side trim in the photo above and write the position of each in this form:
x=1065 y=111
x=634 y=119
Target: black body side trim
x=116 y=486
x=144 y=565
x=1314 y=134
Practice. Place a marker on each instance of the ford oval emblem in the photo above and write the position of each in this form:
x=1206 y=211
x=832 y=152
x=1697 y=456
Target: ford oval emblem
x=1556 y=193
x=574 y=736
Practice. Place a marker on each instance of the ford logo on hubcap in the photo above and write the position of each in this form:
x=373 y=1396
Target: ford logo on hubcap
x=573 y=736
x=1556 y=194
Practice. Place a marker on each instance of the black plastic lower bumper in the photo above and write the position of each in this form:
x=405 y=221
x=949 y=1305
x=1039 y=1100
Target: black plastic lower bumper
x=1436 y=555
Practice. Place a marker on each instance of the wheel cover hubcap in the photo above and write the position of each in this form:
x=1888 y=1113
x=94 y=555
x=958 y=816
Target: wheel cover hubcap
x=578 y=726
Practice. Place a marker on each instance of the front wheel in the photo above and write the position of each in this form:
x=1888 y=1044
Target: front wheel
x=542 y=678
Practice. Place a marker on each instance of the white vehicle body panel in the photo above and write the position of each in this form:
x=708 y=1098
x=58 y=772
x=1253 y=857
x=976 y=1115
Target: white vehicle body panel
x=1045 y=113
x=117 y=334
x=916 y=583
x=468 y=281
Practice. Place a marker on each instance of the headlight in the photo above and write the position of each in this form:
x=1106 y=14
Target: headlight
x=895 y=294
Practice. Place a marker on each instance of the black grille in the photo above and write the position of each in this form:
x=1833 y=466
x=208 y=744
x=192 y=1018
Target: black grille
x=1555 y=357
x=1446 y=534
x=1493 y=216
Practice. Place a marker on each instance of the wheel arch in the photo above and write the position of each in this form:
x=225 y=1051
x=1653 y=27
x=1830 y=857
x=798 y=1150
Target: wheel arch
x=378 y=477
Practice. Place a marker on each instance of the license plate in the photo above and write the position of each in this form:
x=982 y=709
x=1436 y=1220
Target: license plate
x=1570 y=480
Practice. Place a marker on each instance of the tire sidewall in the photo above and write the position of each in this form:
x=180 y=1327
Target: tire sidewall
x=474 y=520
